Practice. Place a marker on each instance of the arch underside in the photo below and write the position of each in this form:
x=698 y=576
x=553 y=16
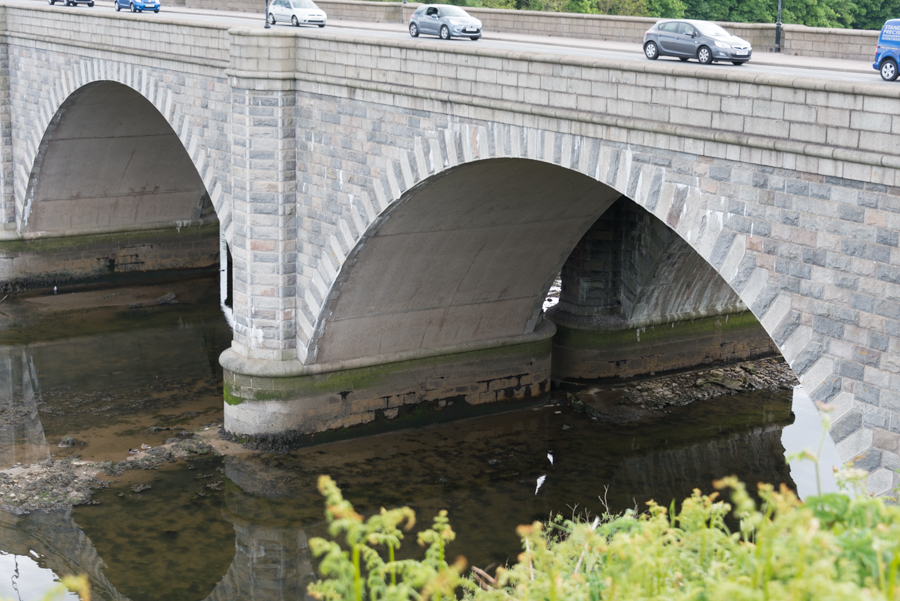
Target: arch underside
x=468 y=255
x=110 y=161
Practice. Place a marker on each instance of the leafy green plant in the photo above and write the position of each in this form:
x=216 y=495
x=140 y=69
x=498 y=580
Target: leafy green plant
x=832 y=547
x=358 y=571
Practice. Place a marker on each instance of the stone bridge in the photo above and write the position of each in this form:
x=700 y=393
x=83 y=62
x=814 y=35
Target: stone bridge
x=396 y=211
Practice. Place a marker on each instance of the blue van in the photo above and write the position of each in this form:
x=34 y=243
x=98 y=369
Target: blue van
x=887 y=53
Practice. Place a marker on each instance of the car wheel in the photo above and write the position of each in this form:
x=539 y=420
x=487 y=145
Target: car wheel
x=90 y=5
x=445 y=32
x=704 y=55
x=683 y=58
x=322 y=25
x=271 y=19
x=294 y=21
x=651 y=50
x=131 y=6
x=51 y=2
x=738 y=63
x=118 y=8
x=475 y=38
x=889 y=70
x=156 y=11
x=413 y=30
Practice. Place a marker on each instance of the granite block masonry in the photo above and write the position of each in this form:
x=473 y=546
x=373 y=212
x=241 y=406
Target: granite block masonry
x=394 y=205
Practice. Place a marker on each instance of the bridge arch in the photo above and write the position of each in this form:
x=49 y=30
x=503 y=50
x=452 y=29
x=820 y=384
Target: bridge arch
x=678 y=188
x=589 y=173
x=97 y=100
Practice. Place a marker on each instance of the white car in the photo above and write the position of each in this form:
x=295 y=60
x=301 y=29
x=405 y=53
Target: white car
x=296 y=12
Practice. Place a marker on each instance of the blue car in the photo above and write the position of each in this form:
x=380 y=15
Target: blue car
x=138 y=6
x=887 y=53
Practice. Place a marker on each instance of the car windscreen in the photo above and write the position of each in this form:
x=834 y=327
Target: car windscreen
x=304 y=4
x=453 y=11
x=711 y=29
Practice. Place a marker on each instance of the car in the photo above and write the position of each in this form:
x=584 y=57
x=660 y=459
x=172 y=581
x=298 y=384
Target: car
x=297 y=13
x=688 y=38
x=887 y=52
x=445 y=21
x=71 y=2
x=138 y=6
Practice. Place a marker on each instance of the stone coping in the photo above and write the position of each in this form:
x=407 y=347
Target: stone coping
x=273 y=368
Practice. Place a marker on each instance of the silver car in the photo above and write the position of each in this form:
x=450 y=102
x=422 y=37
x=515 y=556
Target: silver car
x=296 y=12
x=444 y=20
x=705 y=41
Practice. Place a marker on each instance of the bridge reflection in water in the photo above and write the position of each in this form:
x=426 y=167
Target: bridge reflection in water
x=237 y=528
x=248 y=540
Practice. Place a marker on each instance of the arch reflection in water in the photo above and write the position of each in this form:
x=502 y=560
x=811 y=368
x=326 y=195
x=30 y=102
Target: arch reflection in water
x=21 y=432
x=246 y=537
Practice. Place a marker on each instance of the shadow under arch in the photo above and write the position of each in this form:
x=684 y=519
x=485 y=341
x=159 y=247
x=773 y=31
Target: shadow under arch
x=464 y=256
x=468 y=255
x=110 y=161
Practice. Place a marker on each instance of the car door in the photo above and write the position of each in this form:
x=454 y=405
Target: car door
x=431 y=22
x=667 y=37
x=687 y=40
x=279 y=9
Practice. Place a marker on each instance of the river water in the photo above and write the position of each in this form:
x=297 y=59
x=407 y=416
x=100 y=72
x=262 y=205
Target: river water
x=114 y=370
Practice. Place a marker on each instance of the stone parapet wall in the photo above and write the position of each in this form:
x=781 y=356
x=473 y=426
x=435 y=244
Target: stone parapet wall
x=851 y=44
x=828 y=128
x=848 y=44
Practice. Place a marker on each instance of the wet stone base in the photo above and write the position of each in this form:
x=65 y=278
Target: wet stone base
x=45 y=262
x=583 y=351
x=349 y=401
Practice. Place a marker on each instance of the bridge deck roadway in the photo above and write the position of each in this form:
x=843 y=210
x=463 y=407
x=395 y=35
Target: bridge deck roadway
x=829 y=69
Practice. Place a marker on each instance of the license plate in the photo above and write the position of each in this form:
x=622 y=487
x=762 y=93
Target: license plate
x=471 y=29
x=741 y=53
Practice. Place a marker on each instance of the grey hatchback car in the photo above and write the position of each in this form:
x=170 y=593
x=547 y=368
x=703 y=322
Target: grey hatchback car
x=705 y=41
x=444 y=20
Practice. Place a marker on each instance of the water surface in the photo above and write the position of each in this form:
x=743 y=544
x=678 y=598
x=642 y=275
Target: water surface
x=89 y=365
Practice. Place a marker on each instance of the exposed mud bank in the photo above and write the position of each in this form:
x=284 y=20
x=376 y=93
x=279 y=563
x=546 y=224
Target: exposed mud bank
x=60 y=484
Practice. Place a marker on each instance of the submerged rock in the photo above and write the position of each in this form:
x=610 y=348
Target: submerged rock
x=633 y=401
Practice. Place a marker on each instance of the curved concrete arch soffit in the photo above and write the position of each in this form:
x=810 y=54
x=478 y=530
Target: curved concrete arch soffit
x=587 y=173
x=156 y=100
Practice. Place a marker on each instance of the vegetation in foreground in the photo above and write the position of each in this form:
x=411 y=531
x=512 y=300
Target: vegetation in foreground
x=833 y=546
